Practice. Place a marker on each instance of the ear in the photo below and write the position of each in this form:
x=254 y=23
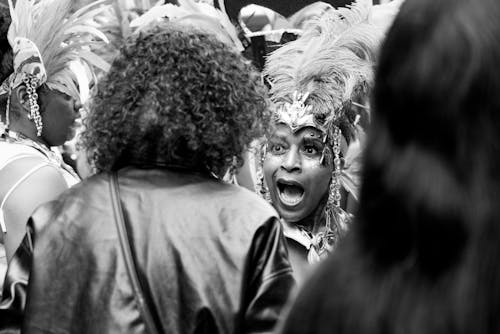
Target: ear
x=22 y=97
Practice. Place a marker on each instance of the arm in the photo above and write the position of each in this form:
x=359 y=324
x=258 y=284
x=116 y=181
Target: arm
x=43 y=184
x=15 y=289
x=269 y=278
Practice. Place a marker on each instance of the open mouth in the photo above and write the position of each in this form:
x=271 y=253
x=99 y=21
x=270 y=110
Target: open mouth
x=290 y=193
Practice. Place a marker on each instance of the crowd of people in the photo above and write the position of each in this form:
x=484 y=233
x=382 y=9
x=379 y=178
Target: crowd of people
x=347 y=185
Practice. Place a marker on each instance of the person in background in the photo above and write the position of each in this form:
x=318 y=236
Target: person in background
x=174 y=111
x=39 y=107
x=311 y=163
x=423 y=254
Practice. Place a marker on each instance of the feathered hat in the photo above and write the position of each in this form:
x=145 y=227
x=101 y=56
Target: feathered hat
x=322 y=80
x=51 y=46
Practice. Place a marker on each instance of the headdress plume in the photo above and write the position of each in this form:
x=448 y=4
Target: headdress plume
x=332 y=61
x=201 y=15
x=60 y=37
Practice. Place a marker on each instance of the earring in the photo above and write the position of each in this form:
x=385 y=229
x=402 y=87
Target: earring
x=332 y=208
x=260 y=186
x=31 y=85
x=334 y=195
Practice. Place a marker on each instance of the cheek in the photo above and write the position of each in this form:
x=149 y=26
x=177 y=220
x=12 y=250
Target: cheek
x=319 y=176
x=271 y=164
x=56 y=110
x=67 y=108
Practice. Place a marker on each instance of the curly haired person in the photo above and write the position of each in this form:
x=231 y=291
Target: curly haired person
x=175 y=111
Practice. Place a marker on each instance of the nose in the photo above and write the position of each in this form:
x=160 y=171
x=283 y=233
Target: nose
x=78 y=107
x=291 y=161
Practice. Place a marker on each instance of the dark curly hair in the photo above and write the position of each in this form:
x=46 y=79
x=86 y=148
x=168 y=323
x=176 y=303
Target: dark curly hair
x=178 y=96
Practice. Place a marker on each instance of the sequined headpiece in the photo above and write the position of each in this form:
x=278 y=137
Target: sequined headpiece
x=296 y=114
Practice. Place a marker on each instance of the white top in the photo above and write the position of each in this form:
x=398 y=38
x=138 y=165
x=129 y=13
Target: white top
x=12 y=151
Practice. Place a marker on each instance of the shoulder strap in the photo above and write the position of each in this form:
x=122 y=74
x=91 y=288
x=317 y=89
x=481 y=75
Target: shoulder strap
x=16 y=157
x=129 y=260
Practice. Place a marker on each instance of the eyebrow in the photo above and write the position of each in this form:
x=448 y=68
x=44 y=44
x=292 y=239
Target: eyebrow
x=281 y=136
x=312 y=140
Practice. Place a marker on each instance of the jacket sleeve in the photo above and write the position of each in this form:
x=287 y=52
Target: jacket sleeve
x=269 y=279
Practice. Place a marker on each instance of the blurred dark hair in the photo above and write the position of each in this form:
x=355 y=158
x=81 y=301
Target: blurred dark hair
x=6 y=57
x=177 y=96
x=423 y=253
x=6 y=62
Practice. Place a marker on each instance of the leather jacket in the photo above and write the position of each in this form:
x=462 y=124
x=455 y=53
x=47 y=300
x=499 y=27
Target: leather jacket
x=212 y=254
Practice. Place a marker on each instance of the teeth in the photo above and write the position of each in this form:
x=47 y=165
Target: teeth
x=291 y=195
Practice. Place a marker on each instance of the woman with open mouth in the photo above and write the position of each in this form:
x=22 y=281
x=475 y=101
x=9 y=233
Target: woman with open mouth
x=310 y=164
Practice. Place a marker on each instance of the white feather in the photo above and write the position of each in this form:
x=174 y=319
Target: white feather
x=61 y=37
x=199 y=14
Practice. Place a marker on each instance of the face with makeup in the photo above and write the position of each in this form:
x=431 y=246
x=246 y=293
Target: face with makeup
x=294 y=174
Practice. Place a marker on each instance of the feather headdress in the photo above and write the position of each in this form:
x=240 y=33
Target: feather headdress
x=332 y=62
x=58 y=38
x=115 y=23
x=202 y=15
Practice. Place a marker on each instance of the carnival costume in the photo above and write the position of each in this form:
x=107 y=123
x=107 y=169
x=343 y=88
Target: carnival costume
x=322 y=80
x=50 y=47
